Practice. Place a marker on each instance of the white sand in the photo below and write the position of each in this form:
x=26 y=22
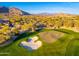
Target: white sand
x=32 y=44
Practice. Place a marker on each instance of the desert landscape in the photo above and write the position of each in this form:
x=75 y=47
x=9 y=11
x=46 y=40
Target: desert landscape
x=25 y=30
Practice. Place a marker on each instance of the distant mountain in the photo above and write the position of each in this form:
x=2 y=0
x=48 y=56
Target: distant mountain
x=57 y=14
x=4 y=10
x=43 y=14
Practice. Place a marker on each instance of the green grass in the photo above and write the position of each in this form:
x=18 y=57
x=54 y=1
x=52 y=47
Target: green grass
x=66 y=45
x=73 y=48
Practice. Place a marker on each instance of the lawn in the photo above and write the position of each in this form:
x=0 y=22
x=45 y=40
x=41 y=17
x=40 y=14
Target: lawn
x=66 y=45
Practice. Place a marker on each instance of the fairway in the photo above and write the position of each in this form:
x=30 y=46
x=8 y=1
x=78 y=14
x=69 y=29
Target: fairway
x=73 y=48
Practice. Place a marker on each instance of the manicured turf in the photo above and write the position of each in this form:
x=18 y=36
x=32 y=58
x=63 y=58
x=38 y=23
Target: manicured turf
x=73 y=48
x=67 y=45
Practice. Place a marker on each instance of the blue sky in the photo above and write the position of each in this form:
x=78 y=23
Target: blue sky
x=45 y=7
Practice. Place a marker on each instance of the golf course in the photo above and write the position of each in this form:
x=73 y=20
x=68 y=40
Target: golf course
x=67 y=44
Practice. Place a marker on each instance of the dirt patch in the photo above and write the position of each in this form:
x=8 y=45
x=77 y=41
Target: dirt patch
x=50 y=36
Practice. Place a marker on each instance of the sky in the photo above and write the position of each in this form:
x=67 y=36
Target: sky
x=45 y=7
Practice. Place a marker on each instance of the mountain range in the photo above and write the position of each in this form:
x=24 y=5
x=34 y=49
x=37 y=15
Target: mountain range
x=6 y=10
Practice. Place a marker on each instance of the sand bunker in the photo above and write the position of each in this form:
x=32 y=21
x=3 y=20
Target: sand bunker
x=50 y=36
x=32 y=44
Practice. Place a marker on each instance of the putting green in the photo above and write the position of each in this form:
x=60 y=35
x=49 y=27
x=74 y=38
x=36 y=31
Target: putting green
x=50 y=36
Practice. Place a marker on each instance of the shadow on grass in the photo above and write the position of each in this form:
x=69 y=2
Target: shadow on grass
x=66 y=31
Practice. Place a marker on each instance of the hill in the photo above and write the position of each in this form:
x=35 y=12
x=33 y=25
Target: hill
x=18 y=10
x=7 y=10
